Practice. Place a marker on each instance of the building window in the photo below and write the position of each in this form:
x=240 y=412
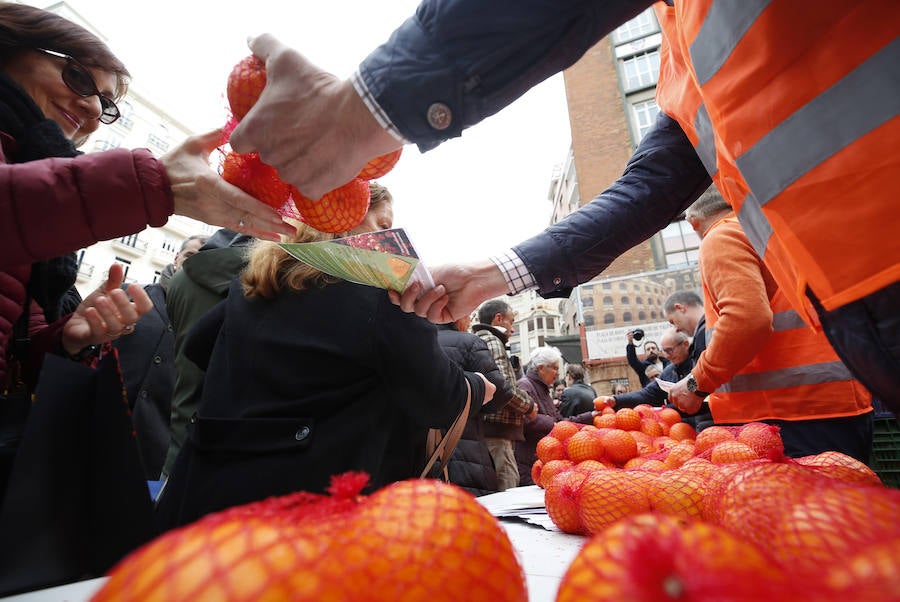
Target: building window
x=540 y=323
x=589 y=320
x=641 y=70
x=641 y=25
x=623 y=286
x=639 y=300
x=607 y=286
x=131 y=240
x=609 y=319
x=625 y=301
x=156 y=276
x=642 y=315
x=681 y=244
x=126 y=121
x=607 y=300
x=170 y=244
x=126 y=264
x=626 y=317
x=551 y=323
x=109 y=141
x=644 y=116
x=157 y=143
x=587 y=301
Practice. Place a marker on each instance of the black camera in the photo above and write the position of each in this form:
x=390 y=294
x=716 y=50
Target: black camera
x=637 y=334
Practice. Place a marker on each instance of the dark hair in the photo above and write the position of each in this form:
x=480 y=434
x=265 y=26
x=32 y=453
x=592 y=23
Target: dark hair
x=576 y=371
x=26 y=27
x=491 y=308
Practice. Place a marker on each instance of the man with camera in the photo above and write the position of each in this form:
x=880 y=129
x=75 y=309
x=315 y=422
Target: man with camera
x=652 y=356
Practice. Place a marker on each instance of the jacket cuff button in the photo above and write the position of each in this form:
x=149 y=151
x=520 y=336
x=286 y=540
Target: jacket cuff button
x=439 y=116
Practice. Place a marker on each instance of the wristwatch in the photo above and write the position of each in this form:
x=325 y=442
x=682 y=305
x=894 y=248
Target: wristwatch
x=691 y=383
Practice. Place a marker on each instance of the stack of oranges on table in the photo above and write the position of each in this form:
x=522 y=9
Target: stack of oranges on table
x=720 y=515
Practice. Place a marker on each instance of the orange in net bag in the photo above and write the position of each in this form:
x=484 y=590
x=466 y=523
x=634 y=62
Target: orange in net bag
x=654 y=558
x=339 y=210
x=416 y=540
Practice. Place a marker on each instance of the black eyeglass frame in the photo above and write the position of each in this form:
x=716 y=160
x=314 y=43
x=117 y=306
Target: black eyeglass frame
x=110 y=112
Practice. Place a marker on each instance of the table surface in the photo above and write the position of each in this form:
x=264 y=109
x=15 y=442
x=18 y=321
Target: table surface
x=543 y=551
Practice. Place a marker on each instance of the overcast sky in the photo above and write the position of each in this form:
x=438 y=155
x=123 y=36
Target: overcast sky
x=493 y=181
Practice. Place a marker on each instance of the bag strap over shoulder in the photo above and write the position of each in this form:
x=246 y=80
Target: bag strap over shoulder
x=441 y=447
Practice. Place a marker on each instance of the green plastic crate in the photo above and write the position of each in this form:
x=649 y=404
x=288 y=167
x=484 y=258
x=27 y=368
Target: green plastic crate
x=886 y=450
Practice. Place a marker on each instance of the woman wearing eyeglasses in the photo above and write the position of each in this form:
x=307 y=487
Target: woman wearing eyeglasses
x=59 y=83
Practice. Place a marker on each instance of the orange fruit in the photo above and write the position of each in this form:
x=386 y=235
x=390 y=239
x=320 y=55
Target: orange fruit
x=652 y=465
x=840 y=466
x=608 y=410
x=605 y=421
x=628 y=419
x=765 y=439
x=679 y=454
x=588 y=466
x=394 y=544
x=561 y=499
x=669 y=415
x=645 y=410
x=620 y=446
x=729 y=452
x=600 y=403
x=678 y=493
x=701 y=466
x=257 y=179
x=339 y=210
x=552 y=468
x=245 y=83
x=380 y=165
x=585 y=445
x=652 y=427
x=536 y=472
x=550 y=448
x=710 y=436
x=654 y=557
x=681 y=431
x=564 y=429
x=609 y=495
x=664 y=442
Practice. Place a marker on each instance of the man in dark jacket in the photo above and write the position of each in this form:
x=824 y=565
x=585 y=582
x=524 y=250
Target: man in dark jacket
x=471 y=466
x=147 y=358
x=504 y=428
x=676 y=345
x=579 y=396
x=652 y=357
x=427 y=84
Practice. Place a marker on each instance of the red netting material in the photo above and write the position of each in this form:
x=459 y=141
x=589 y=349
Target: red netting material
x=413 y=541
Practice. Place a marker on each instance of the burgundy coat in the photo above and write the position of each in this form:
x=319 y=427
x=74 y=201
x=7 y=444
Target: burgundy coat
x=55 y=206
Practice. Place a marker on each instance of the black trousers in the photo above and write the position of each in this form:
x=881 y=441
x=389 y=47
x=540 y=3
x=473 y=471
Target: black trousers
x=866 y=336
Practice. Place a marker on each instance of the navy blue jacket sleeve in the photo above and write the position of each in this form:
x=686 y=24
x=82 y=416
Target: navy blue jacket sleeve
x=477 y=57
x=662 y=178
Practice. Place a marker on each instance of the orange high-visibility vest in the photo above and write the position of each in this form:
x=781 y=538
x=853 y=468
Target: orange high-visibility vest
x=795 y=376
x=793 y=108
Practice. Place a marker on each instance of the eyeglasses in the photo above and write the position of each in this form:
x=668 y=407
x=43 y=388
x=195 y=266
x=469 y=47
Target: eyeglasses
x=669 y=350
x=80 y=81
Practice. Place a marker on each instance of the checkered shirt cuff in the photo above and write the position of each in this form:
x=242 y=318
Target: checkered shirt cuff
x=517 y=276
x=377 y=112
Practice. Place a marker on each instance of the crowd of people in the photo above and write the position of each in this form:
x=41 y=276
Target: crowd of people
x=282 y=376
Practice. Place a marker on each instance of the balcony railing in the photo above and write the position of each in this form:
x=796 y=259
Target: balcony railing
x=85 y=271
x=131 y=244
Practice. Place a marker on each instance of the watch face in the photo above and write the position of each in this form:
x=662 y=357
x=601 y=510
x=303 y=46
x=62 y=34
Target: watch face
x=691 y=384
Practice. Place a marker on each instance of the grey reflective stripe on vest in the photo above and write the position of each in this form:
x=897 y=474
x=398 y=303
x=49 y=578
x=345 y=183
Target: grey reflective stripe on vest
x=706 y=146
x=725 y=24
x=787 y=320
x=755 y=225
x=861 y=101
x=813 y=374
